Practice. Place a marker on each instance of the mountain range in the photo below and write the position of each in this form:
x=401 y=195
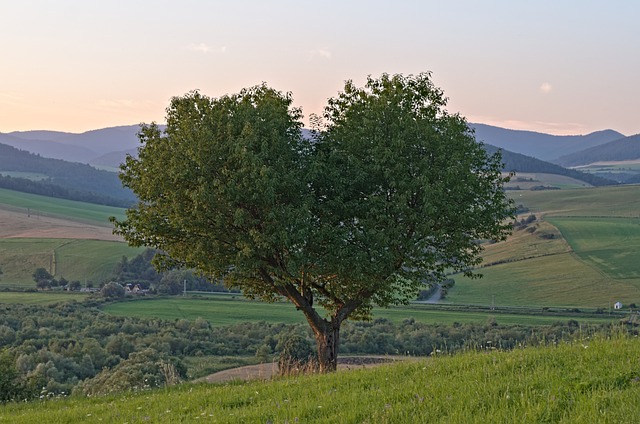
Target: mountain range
x=62 y=159
x=108 y=147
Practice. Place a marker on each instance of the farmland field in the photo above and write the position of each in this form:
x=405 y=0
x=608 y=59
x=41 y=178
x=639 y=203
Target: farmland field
x=69 y=239
x=583 y=253
x=526 y=180
x=43 y=206
x=40 y=298
x=224 y=309
x=82 y=260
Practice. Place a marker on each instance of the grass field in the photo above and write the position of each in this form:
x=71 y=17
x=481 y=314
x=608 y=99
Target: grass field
x=82 y=260
x=526 y=180
x=589 y=261
x=612 y=201
x=223 y=310
x=61 y=208
x=40 y=298
x=587 y=381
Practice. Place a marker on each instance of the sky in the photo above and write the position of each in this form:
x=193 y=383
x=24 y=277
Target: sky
x=553 y=66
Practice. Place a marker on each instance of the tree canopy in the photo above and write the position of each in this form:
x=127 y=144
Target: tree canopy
x=390 y=193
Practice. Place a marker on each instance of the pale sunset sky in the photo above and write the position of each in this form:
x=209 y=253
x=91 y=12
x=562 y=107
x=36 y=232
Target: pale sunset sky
x=555 y=66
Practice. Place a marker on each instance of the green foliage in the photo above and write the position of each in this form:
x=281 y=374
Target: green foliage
x=391 y=191
x=112 y=290
x=296 y=355
x=142 y=370
x=43 y=278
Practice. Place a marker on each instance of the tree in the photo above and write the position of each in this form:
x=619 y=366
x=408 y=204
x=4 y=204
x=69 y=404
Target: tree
x=390 y=192
x=112 y=290
x=43 y=278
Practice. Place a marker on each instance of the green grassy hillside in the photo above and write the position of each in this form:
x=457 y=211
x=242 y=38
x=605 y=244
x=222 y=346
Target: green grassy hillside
x=59 y=208
x=74 y=259
x=226 y=309
x=82 y=260
x=588 y=381
x=584 y=253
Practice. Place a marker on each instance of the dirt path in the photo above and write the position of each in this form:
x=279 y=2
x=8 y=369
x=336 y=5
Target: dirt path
x=269 y=370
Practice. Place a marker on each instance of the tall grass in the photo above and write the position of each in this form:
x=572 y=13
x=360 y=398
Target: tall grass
x=586 y=381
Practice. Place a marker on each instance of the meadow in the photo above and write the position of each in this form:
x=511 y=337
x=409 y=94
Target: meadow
x=88 y=261
x=586 y=381
x=40 y=298
x=71 y=240
x=221 y=310
x=59 y=208
x=583 y=253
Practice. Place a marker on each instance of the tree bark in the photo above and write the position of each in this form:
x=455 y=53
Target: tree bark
x=327 y=341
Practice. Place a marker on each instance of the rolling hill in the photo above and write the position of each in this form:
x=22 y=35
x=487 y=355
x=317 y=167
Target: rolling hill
x=519 y=163
x=623 y=149
x=59 y=178
x=83 y=147
x=539 y=145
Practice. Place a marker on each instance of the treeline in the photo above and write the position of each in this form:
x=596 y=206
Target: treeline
x=624 y=149
x=47 y=188
x=141 y=272
x=69 y=180
x=75 y=348
x=516 y=162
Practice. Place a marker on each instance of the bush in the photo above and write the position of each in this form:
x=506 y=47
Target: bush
x=112 y=290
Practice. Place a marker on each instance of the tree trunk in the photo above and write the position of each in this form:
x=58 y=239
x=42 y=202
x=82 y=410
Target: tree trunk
x=327 y=339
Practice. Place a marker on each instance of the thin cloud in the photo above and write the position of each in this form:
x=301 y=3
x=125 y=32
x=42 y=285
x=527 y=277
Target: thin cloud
x=546 y=88
x=319 y=53
x=205 y=48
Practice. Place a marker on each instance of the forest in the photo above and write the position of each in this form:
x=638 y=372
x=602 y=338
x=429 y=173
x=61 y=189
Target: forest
x=67 y=180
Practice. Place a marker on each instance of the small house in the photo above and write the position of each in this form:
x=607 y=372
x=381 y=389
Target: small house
x=617 y=305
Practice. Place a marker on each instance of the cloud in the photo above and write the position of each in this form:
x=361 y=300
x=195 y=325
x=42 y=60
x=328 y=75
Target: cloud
x=546 y=88
x=205 y=48
x=319 y=53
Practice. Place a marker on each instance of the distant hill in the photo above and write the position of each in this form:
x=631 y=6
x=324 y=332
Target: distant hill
x=84 y=147
x=516 y=162
x=623 y=149
x=113 y=159
x=67 y=180
x=538 y=145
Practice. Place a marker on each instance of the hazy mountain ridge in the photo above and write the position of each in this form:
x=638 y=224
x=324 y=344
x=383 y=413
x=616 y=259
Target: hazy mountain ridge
x=109 y=146
x=83 y=147
x=53 y=154
x=539 y=145
x=517 y=162
x=623 y=149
